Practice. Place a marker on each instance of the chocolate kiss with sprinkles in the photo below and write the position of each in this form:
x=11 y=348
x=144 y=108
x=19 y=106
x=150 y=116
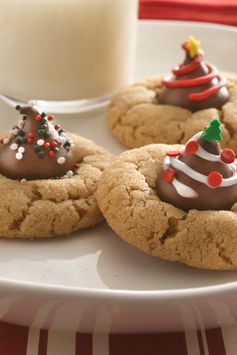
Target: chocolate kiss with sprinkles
x=200 y=176
x=194 y=84
x=36 y=148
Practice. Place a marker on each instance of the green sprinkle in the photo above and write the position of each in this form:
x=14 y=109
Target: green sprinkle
x=18 y=141
x=55 y=150
x=213 y=132
x=45 y=135
x=24 y=140
x=41 y=154
x=40 y=132
x=37 y=148
x=21 y=133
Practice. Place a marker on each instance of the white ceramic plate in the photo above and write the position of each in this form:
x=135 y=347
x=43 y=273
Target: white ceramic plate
x=92 y=280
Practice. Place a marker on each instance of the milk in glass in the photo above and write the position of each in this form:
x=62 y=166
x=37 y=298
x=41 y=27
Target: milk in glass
x=65 y=49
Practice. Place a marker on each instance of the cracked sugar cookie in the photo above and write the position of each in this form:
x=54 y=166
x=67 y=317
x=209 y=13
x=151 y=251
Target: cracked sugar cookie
x=171 y=109
x=48 y=179
x=176 y=202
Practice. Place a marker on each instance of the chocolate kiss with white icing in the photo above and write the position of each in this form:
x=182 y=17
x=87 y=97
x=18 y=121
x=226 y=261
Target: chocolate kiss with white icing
x=199 y=195
x=31 y=165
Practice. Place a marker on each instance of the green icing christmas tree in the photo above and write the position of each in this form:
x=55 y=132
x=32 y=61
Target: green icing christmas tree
x=213 y=132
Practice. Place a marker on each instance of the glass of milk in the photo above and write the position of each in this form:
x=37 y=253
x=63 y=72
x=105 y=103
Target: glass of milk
x=65 y=55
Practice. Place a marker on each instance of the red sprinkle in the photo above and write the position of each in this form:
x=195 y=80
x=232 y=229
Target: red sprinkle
x=38 y=117
x=51 y=154
x=31 y=134
x=173 y=153
x=228 y=156
x=57 y=126
x=1 y=141
x=168 y=175
x=54 y=144
x=77 y=165
x=46 y=145
x=29 y=140
x=214 y=179
x=50 y=118
x=191 y=147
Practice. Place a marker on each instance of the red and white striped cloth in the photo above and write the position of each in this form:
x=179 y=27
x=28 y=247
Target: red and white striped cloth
x=217 y=11
x=18 y=340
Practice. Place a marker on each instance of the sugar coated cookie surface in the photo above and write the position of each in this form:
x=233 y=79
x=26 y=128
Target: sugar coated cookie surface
x=170 y=108
x=128 y=200
x=136 y=118
x=48 y=178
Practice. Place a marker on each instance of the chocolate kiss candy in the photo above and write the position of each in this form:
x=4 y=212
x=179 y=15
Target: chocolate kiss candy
x=194 y=84
x=36 y=150
x=200 y=179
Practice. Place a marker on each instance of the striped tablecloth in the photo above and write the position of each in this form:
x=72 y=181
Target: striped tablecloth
x=217 y=11
x=18 y=340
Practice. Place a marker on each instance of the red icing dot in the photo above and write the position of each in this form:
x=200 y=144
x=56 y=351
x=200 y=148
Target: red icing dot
x=173 y=153
x=214 y=179
x=29 y=140
x=50 y=118
x=54 y=144
x=228 y=156
x=51 y=154
x=46 y=145
x=31 y=134
x=57 y=126
x=191 y=147
x=168 y=175
x=38 y=117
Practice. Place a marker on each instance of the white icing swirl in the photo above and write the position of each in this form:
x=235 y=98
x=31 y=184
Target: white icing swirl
x=186 y=191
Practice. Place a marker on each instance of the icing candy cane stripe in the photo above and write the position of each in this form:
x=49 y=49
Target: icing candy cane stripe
x=201 y=80
x=179 y=165
x=230 y=181
x=206 y=93
x=187 y=69
x=202 y=153
x=184 y=190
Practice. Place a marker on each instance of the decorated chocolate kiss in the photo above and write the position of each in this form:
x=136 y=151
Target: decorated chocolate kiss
x=194 y=84
x=36 y=148
x=200 y=175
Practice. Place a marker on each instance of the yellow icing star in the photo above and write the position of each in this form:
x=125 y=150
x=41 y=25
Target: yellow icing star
x=193 y=46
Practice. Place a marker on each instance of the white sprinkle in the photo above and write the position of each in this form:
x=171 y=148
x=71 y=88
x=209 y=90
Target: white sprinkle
x=21 y=150
x=69 y=173
x=14 y=131
x=23 y=180
x=6 y=141
x=40 y=142
x=13 y=146
x=61 y=160
x=61 y=139
x=65 y=176
x=19 y=156
x=20 y=123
